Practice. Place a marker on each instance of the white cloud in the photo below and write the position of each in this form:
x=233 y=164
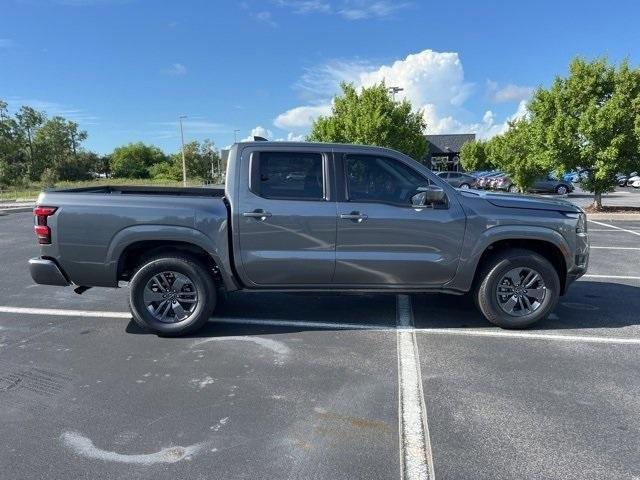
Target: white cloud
x=176 y=69
x=305 y=6
x=361 y=9
x=258 y=132
x=291 y=137
x=265 y=17
x=347 y=9
x=300 y=117
x=507 y=93
x=432 y=81
x=53 y=109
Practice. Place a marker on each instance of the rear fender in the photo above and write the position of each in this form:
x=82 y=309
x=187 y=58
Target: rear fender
x=169 y=233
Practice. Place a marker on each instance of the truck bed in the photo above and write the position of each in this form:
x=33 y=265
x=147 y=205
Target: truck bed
x=145 y=190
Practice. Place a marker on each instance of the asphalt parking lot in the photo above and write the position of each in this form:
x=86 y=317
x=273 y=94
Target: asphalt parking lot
x=322 y=386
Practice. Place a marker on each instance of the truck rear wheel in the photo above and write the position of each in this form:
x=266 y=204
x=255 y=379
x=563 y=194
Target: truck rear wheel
x=517 y=287
x=172 y=295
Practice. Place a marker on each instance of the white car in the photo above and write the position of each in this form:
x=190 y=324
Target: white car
x=636 y=184
x=633 y=177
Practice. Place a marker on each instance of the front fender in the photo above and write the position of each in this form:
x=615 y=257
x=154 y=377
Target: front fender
x=170 y=233
x=475 y=246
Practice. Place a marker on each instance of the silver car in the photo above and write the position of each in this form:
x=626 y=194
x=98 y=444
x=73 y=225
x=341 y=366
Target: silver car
x=458 y=179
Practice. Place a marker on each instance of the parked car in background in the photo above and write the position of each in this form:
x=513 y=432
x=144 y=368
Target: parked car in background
x=548 y=184
x=458 y=179
x=636 y=184
x=551 y=184
x=483 y=182
x=621 y=179
x=575 y=176
x=633 y=177
x=496 y=182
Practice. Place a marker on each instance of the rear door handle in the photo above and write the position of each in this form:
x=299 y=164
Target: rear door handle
x=354 y=216
x=261 y=215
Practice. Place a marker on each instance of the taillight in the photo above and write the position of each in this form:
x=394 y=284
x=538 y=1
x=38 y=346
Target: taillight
x=43 y=232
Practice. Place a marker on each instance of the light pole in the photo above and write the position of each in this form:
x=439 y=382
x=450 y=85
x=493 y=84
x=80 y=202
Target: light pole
x=394 y=90
x=184 y=163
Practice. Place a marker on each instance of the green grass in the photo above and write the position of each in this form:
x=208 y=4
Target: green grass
x=31 y=192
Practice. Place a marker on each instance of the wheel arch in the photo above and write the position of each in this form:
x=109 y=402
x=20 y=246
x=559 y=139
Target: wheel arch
x=131 y=245
x=542 y=240
x=544 y=248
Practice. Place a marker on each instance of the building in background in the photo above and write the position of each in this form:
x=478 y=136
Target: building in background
x=443 y=152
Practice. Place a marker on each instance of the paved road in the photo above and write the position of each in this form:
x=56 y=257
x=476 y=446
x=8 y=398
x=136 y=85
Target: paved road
x=623 y=196
x=292 y=386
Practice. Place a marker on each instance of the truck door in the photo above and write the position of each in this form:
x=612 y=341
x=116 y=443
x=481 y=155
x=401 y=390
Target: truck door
x=384 y=240
x=287 y=218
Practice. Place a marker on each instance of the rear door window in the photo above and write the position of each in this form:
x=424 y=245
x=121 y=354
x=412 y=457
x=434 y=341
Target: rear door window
x=289 y=176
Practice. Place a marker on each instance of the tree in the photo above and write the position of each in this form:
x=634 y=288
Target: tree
x=28 y=121
x=590 y=119
x=515 y=153
x=201 y=160
x=135 y=159
x=371 y=117
x=57 y=142
x=473 y=156
x=12 y=161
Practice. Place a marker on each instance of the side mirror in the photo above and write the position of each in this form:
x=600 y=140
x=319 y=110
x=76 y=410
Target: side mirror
x=431 y=195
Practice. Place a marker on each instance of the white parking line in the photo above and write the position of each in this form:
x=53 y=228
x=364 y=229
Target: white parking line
x=65 y=313
x=633 y=232
x=617 y=277
x=416 y=458
x=405 y=325
x=613 y=248
x=528 y=335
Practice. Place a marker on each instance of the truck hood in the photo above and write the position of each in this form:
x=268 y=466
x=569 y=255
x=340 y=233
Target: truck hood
x=531 y=202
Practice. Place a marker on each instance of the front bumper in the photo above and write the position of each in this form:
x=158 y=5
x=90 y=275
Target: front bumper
x=47 y=272
x=581 y=259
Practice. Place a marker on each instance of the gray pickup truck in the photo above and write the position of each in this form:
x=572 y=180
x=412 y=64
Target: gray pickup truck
x=309 y=217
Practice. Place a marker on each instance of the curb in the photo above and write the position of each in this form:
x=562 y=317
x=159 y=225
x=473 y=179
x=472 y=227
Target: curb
x=7 y=211
x=614 y=216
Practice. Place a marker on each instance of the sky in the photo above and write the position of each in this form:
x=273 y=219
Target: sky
x=125 y=70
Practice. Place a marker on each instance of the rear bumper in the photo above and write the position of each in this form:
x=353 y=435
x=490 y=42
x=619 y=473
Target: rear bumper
x=46 y=272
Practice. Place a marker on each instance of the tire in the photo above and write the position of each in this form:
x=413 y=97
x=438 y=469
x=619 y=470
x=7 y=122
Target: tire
x=493 y=305
x=193 y=301
x=562 y=190
x=465 y=186
x=513 y=189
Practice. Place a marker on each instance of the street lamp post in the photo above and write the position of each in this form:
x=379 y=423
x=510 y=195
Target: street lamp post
x=394 y=90
x=184 y=163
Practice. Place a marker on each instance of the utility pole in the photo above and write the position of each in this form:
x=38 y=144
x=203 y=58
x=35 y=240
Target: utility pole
x=394 y=90
x=184 y=163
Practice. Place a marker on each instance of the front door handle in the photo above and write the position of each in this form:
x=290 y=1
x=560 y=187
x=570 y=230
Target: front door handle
x=354 y=216
x=258 y=214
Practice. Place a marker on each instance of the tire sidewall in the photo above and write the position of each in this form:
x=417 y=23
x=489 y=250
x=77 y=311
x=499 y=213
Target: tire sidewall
x=202 y=285
x=487 y=293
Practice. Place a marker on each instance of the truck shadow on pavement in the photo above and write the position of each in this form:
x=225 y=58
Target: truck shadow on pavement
x=586 y=305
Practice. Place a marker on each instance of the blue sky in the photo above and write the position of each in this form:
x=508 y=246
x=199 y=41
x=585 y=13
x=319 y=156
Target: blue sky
x=125 y=69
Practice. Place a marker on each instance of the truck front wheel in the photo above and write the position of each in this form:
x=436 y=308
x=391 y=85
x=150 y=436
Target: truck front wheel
x=172 y=295
x=517 y=287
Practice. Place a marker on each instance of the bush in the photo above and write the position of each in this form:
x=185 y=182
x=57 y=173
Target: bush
x=49 y=178
x=135 y=160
